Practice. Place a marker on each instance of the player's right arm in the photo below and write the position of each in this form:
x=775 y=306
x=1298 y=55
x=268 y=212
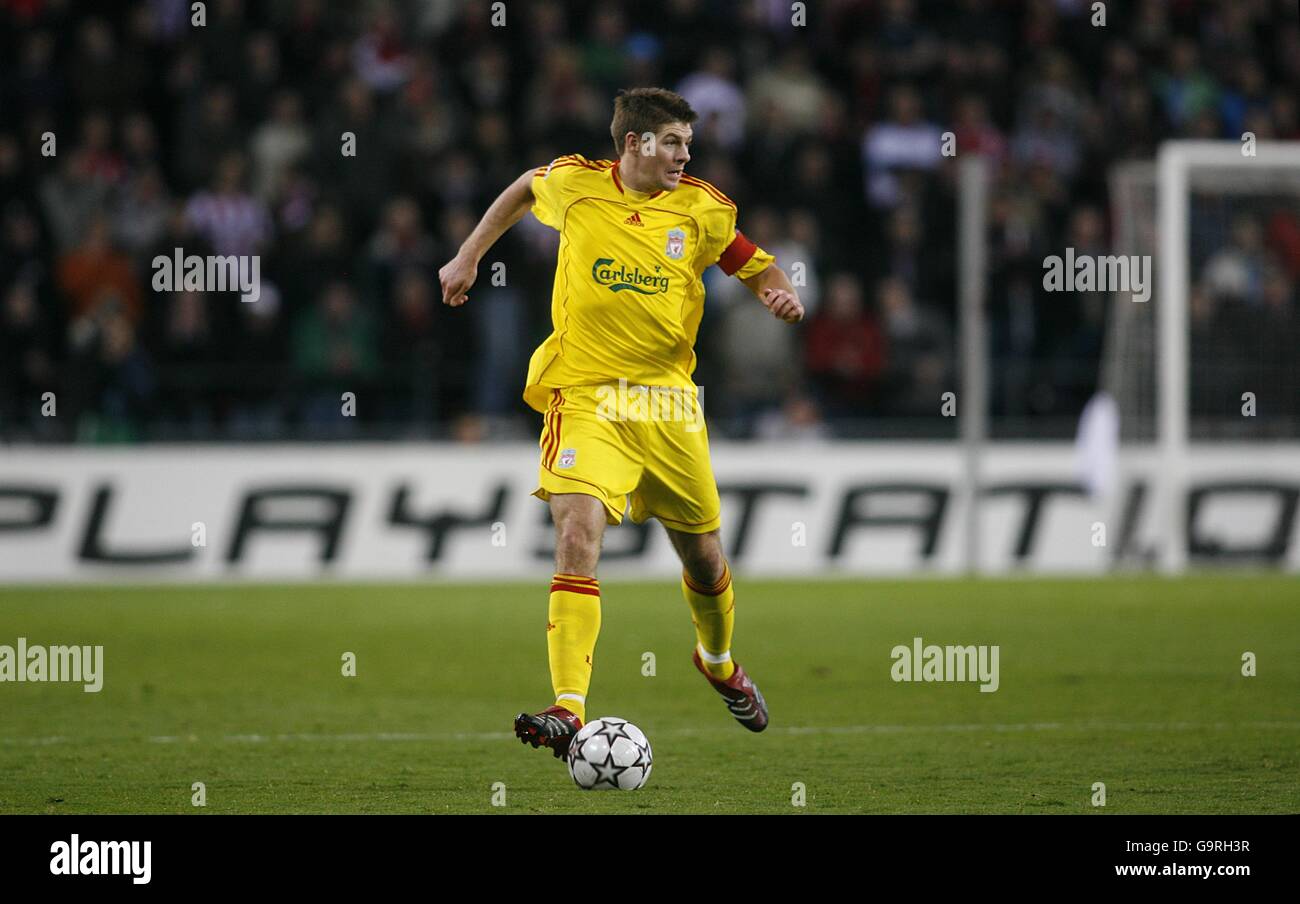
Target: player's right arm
x=508 y=209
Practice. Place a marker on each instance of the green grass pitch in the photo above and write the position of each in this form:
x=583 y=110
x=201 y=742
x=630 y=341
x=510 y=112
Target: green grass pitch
x=1134 y=682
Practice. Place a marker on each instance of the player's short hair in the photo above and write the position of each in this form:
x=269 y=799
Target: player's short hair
x=642 y=110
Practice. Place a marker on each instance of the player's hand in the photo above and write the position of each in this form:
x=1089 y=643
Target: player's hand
x=456 y=278
x=783 y=305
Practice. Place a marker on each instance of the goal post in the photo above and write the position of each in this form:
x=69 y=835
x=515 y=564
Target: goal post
x=973 y=180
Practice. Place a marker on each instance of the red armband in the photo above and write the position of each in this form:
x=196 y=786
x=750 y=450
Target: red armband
x=737 y=254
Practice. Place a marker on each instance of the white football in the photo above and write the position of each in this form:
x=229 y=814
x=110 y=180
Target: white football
x=609 y=754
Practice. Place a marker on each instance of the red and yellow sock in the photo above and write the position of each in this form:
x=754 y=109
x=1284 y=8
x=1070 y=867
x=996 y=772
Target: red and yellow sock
x=713 y=612
x=572 y=624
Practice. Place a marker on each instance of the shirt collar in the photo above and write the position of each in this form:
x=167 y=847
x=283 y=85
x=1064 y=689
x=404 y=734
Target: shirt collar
x=627 y=190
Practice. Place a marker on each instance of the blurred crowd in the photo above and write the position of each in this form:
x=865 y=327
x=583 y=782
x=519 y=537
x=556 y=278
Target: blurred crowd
x=126 y=132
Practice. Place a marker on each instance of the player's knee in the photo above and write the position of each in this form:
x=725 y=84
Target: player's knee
x=577 y=544
x=703 y=559
x=576 y=538
x=706 y=571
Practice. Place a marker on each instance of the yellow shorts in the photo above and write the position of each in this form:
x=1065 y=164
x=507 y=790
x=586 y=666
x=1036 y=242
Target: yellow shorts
x=619 y=442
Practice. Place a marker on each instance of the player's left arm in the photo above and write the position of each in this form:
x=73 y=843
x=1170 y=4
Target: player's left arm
x=773 y=288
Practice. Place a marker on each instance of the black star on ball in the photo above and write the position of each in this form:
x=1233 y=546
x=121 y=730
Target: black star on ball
x=612 y=731
x=575 y=749
x=608 y=772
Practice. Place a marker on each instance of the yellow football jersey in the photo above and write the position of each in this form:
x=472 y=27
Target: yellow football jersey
x=628 y=297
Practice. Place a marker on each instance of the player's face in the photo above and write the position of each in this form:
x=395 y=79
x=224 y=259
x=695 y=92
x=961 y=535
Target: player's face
x=672 y=151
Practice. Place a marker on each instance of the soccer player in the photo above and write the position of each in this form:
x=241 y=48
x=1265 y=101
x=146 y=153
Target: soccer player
x=622 y=421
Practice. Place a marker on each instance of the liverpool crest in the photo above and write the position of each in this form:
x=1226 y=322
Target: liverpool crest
x=676 y=246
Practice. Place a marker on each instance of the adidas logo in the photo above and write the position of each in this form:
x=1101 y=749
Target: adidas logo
x=634 y=220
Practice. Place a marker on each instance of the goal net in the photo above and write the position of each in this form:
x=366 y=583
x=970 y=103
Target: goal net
x=1212 y=355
